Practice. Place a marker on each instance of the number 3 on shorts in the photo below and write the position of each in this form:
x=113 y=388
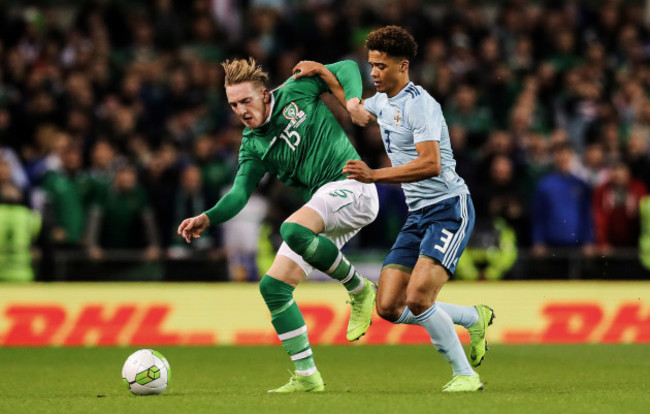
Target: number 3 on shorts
x=445 y=241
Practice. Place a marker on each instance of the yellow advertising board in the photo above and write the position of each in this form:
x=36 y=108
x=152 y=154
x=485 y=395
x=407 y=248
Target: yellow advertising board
x=108 y=314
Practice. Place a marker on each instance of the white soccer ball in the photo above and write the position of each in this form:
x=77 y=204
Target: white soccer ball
x=146 y=372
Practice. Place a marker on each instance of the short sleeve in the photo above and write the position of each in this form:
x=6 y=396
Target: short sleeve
x=370 y=104
x=424 y=115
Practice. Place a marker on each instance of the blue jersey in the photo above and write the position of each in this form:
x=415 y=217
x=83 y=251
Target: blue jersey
x=410 y=117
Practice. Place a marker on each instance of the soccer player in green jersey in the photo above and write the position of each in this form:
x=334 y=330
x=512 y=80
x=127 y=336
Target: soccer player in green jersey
x=290 y=133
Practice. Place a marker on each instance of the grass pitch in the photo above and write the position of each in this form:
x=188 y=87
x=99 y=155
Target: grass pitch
x=360 y=379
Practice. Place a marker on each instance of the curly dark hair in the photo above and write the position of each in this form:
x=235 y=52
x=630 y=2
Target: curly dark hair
x=395 y=41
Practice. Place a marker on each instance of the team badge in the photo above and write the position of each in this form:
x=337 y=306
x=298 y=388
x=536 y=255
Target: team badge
x=291 y=111
x=397 y=118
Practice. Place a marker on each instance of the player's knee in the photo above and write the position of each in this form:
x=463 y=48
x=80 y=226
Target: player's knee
x=417 y=303
x=296 y=236
x=388 y=311
x=275 y=292
x=265 y=287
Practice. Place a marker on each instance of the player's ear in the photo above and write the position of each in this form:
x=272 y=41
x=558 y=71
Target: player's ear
x=404 y=66
x=267 y=96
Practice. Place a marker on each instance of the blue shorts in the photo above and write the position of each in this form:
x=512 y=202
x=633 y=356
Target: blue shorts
x=439 y=231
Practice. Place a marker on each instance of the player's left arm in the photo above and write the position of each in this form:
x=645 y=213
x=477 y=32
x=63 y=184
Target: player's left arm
x=344 y=81
x=425 y=119
x=426 y=165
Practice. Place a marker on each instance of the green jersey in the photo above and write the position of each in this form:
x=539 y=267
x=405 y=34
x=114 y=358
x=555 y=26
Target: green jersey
x=301 y=142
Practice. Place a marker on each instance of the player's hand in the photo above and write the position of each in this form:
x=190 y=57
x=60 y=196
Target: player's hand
x=192 y=228
x=307 y=68
x=360 y=116
x=359 y=170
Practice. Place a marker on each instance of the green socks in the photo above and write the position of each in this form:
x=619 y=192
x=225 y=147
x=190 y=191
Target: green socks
x=288 y=323
x=322 y=253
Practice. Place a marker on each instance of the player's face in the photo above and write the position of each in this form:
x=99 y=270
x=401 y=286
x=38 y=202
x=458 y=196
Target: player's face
x=250 y=102
x=388 y=73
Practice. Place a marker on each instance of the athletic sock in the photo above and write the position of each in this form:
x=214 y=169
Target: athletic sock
x=443 y=336
x=460 y=315
x=322 y=253
x=340 y=269
x=407 y=317
x=288 y=323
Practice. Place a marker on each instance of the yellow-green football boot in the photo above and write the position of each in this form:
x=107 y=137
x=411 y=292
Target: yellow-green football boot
x=361 y=314
x=464 y=383
x=302 y=383
x=477 y=335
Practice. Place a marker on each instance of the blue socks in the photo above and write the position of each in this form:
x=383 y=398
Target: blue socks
x=441 y=329
x=461 y=315
x=466 y=316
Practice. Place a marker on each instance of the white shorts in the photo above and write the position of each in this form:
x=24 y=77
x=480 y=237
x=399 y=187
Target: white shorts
x=345 y=206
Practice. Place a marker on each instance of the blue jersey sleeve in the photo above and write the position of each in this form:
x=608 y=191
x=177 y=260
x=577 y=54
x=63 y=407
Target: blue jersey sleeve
x=424 y=115
x=371 y=105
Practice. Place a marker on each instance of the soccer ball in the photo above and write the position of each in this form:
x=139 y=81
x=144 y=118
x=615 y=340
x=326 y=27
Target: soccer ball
x=146 y=372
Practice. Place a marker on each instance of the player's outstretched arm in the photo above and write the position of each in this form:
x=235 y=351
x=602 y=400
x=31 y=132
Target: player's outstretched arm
x=248 y=175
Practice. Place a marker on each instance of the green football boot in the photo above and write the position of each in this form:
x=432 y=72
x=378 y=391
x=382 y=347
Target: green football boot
x=464 y=383
x=361 y=314
x=477 y=334
x=302 y=383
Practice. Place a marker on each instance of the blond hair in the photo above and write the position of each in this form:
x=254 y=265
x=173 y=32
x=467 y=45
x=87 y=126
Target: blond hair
x=240 y=71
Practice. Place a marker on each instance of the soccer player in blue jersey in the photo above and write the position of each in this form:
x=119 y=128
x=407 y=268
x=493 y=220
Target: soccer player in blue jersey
x=441 y=214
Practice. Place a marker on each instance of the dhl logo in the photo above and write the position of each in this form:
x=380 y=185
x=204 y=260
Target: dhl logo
x=43 y=325
x=34 y=324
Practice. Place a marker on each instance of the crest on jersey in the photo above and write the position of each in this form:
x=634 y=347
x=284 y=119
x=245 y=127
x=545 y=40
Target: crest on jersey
x=397 y=118
x=291 y=111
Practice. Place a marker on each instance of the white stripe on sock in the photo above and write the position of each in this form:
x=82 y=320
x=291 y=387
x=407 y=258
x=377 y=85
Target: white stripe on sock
x=427 y=313
x=306 y=372
x=336 y=263
x=301 y=355
x=293 y=334
x=349 y=276
x=358 y=288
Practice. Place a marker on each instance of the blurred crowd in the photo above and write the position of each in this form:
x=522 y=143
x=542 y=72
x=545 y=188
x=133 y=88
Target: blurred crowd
x=114 y=124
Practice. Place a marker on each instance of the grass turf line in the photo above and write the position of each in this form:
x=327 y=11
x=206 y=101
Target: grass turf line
x=360 y=379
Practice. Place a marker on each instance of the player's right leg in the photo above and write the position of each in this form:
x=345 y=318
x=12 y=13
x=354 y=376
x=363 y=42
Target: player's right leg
x=391 y=305
x=338 y=210
x=277 y=288
x=425 y=283
x=476 y=319
x=458 y=221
